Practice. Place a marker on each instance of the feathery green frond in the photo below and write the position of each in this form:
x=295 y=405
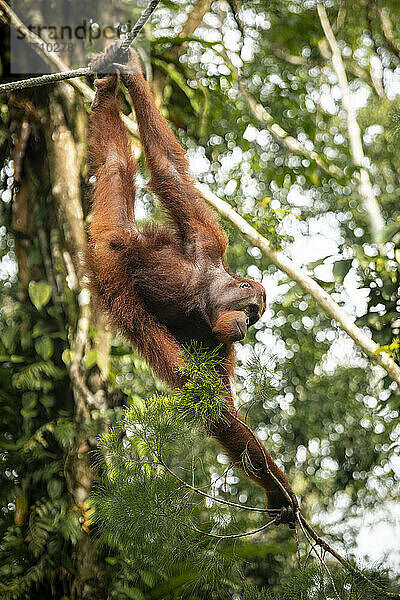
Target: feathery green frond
x=201 y=400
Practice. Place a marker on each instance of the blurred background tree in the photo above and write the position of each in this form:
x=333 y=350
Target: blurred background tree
x=251 y=91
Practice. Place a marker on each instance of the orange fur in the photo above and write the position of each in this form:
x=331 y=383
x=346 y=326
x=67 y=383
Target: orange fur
x=164 y=287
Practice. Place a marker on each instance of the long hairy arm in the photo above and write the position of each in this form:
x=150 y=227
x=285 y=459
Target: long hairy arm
x=114 y=239
x=170 y=178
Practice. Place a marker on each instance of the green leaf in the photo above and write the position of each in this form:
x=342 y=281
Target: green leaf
x=67 y=357
x=341 y=268
x=314 y=178
x=70 y=526
x=91 y=359
x=28 y=414
x=13 y=358
x=44 y=347
x=54 y=488
x=8 y=337
x=39 y=293
x=47 y=401
x=148 y=578
x=55 y=311
x=390 y=231
x=316 y=263
x=37 y=376
x=133 y=593
x=64 y=433
x=40 y=328
x=26 y=340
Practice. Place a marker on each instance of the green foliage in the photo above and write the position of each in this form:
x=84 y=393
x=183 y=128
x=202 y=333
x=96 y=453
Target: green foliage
x=143 y=508
x=31 y=376
x=268 y=222
x=259 y=377
x=314 y=583
x=146 y=515
x=39 y=293
x=391 y=349
x=155 y=423
x=200 y=401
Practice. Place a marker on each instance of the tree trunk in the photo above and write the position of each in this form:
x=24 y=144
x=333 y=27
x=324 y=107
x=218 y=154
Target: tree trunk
x=64 y=156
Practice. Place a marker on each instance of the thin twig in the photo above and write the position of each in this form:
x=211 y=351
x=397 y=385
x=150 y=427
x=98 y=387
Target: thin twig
x=322 y=560
x=205 y=495
x=320 y=557
x=233 y=536
x=345 y=563
x=311 y=544
x=230 y=466
x=213 y=535
x=298 y=547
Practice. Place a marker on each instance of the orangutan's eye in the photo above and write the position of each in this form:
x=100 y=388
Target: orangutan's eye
x=245 y=284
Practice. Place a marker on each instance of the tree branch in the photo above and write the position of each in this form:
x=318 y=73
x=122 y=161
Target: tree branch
x=261 y=114
x=306 y=528
x=388 y=31
x=369 y=201
x=233 y=536
x=291 y=59
x=195 y=17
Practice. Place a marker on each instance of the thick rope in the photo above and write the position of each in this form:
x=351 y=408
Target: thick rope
x=118 y=50
x=140 y=23
x=43 y=79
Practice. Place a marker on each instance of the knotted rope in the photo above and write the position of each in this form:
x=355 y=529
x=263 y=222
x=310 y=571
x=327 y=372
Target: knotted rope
x=117 y=52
